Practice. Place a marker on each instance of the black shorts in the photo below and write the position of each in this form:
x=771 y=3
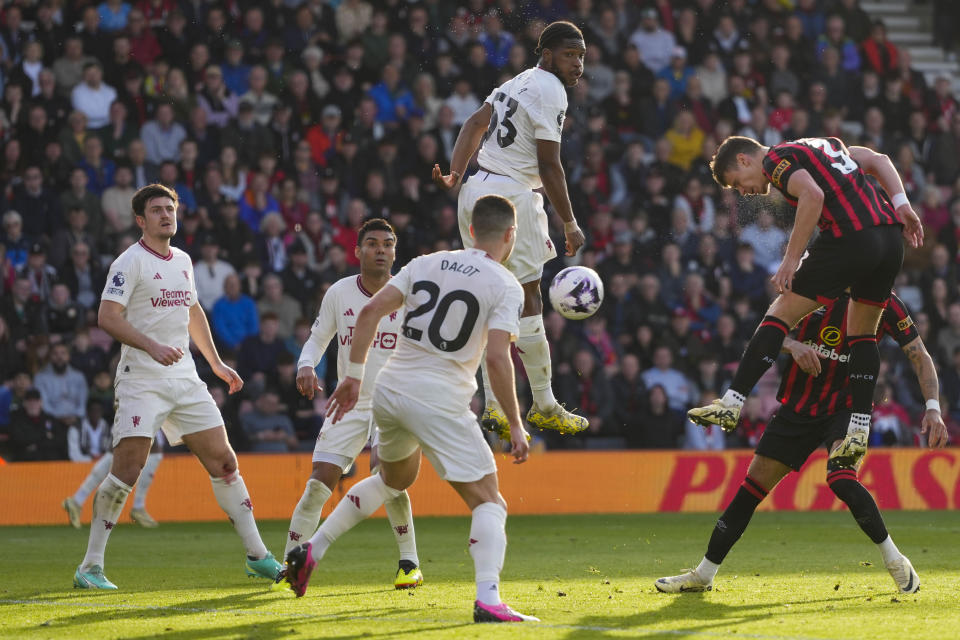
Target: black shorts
x=867 y=261
x=790 y=438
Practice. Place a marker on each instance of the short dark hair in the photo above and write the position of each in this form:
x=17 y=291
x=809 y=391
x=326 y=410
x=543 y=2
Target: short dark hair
x=148 y=193
x=726 y=156
x=492 y=215
x=269 y=315
x=555 y=33
x=374 y=224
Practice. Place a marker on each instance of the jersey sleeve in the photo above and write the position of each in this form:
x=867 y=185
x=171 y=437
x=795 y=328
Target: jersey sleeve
x=779 y=164
x=897 y=323
x=404 y=280
x=121 y=280
x=506 y=313
x=547 y=112
x=324 y=328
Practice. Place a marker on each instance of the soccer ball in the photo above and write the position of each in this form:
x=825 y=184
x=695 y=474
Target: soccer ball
x=576 y=292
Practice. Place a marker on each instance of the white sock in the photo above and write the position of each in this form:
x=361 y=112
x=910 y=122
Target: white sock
x=488 y=396
x=732 y=399
x=92 y=481
x=401 y=521
x=889 y=550
x=146 y=479
x=107 y=505
x=706 y=569
x=534 y=351
x=488 y=546
x=363 y=499
x=232 y=496
x=306 y=516
x=859 y=422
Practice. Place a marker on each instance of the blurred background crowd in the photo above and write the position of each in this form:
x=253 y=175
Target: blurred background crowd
x=284 y=124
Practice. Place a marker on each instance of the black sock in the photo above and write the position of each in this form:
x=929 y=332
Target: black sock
x=862 y=506
x=733 y=522
x=864 y=369
x=760 y=354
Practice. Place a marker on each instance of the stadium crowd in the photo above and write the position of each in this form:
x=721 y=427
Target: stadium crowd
x=284 y=124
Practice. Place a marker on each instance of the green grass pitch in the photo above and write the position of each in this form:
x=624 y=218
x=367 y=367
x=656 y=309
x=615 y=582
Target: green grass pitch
x=793 y=575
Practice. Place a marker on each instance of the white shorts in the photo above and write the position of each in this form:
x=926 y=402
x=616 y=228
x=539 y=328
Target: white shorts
x=341 y=443
x=180 y=406
x=451 y=439
x=534 y=246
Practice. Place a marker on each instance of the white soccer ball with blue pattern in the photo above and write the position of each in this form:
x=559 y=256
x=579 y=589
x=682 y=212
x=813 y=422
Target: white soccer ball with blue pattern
x=576 y=292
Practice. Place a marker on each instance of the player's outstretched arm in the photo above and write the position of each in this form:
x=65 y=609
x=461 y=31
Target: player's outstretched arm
x=555 y=184
x=468 y=141
x=344 y=398
x=110 y=318
x=199 y=330
x=932 y=424
x=500 y=370
x=321 y=333
x=880 y=165
x=809 y=207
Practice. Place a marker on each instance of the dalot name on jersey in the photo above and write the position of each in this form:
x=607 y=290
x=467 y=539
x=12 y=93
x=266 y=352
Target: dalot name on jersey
x=383 y=339
x=172 y=298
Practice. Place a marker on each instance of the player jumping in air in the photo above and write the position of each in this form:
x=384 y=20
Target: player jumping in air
x=456 y=303
x=860 y=247
x=519 y=126
x=815 y=408
x=150 y=305
x=339 y=444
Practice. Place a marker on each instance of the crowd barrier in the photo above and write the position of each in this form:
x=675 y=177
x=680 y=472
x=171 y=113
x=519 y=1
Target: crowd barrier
x=549 y=483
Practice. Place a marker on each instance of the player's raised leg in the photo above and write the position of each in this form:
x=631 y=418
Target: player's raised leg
x=760 y=354
x=844 y=483
x=216 y=455
x=73 y=505
x=129 y=456
x=762 y=476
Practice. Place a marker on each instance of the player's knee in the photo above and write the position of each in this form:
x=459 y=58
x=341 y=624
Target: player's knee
x=222 y=464
x=328 y=474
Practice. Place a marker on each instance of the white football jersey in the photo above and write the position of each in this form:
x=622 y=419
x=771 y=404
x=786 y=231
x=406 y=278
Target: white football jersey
x=451 y=300
x=528 y=107
x=157 y=292
x=338 y=316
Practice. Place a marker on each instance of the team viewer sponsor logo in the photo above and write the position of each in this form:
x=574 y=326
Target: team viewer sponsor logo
x=383 y=339
x=172 y=298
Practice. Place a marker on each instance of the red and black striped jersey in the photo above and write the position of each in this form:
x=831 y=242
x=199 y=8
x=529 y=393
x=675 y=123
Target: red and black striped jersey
x=850 y=201
x=826 y=331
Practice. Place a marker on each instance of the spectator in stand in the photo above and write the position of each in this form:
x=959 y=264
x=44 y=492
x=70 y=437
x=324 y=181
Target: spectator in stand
x=83 y=277
x=891 y=424
x=248 y=137
x=162 y=136
x=835 y=36
x=234 y=315
x=92 y=97
x=64 y=316
x=210 y=272
x=34 y=434
x=38 y=206
x=99 y=170
x=283 y=307
x=678 y=388
x=879 y=53
x=37 y=272
x=257 y=359
x=269 y=430
x=658 y=427
x=63 y=388
x=654 y=43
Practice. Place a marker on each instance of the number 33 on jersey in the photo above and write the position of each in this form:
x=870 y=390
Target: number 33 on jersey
x=451 y=300
x=529 y=107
